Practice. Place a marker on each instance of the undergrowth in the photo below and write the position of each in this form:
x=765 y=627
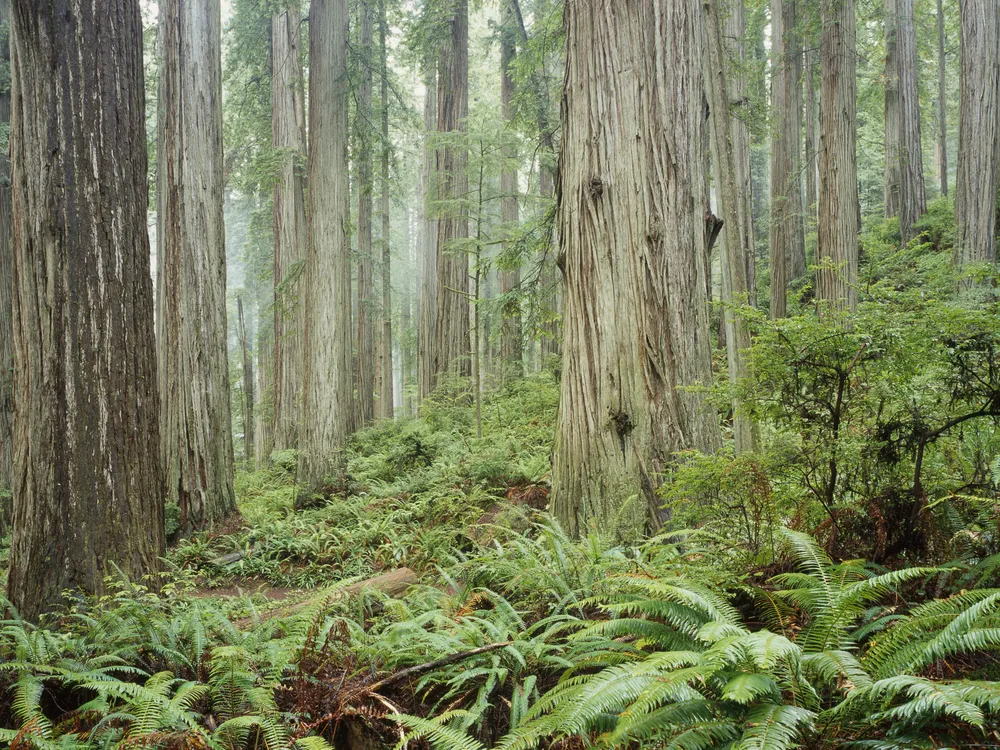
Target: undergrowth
x=753 y=629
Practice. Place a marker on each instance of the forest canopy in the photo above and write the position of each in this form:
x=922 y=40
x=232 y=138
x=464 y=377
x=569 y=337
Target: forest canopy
x=499 y=374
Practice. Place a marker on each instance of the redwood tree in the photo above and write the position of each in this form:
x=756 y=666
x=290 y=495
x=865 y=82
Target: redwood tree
x=288 y=137
x=632 y=228
x=452 y=346
x=427 y=306
x=327 y=395
x=904 y=166
x=365 y=334
x=386 y=408
x=838 y=225
x=736 y=237
x=941 y=149
x=978 y=135
x=510 y=276
x=191 y=262
x=6 y=293
x=88 y=485
x=787 y=233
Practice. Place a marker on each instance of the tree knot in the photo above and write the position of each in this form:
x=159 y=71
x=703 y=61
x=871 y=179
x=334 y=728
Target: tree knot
x=596 y=187
x=622 y=423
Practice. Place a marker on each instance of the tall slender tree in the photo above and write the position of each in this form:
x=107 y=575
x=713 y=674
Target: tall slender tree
x=734 y=35
x=510 y=276
x=246 y=383
x=364 y=349
x=787 y=233
x=904 y=166
x=978 y=135
x=550 y=281
x=428 y=240
x=263 y=434
x=453 y=346
x=6 y=291
x=838 y=226
x=941 y=151
x=386 y=407
x=632 y=227
x=811 y=121
x=327 y=396
x=88 y=485
x=289 y=139
x=191 y=263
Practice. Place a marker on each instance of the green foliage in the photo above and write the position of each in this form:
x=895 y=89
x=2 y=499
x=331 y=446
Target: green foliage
x=877 y=428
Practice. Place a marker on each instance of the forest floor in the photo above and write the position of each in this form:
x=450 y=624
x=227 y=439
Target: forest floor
x=418 y=491
x=433 y=604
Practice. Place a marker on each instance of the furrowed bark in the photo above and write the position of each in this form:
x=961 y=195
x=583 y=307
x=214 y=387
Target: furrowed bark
x=364 y=349
x=88 y=482
x=191 y=259
x=386 y=405
x=736 y=238
x=247 y=385
x=838 y=227
x=904 y=167
x=734 y=34
x=428 y=242
x=811 y=139
x=978 y=135
x=327 y=397
x=632 y=229
x=263 y=434
x=787 y=238
x=452 y=351
x=6 y=295
x=288 y=137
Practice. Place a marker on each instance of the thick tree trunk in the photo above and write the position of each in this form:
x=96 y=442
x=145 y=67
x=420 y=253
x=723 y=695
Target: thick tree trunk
x=736 y=239
x=288 y=138
x=88 y=485
x=247 y=384
x=787 y=234
x=904 y=167
x=364 y=350
x=811 y=138
x=978 y=135
x=838 y=227
x=942 y=104
x=511 y=353
x=6 y=296
x=632 y=227
x=452 y=351
x=191 y=257
x=386 y=405
x=327 y=395
x=428 y=242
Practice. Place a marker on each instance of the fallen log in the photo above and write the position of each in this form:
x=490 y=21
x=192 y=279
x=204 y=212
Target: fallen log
x=232 y=557
x=394 y=583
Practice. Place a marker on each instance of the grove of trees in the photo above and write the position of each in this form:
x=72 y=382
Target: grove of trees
x=289 y=284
